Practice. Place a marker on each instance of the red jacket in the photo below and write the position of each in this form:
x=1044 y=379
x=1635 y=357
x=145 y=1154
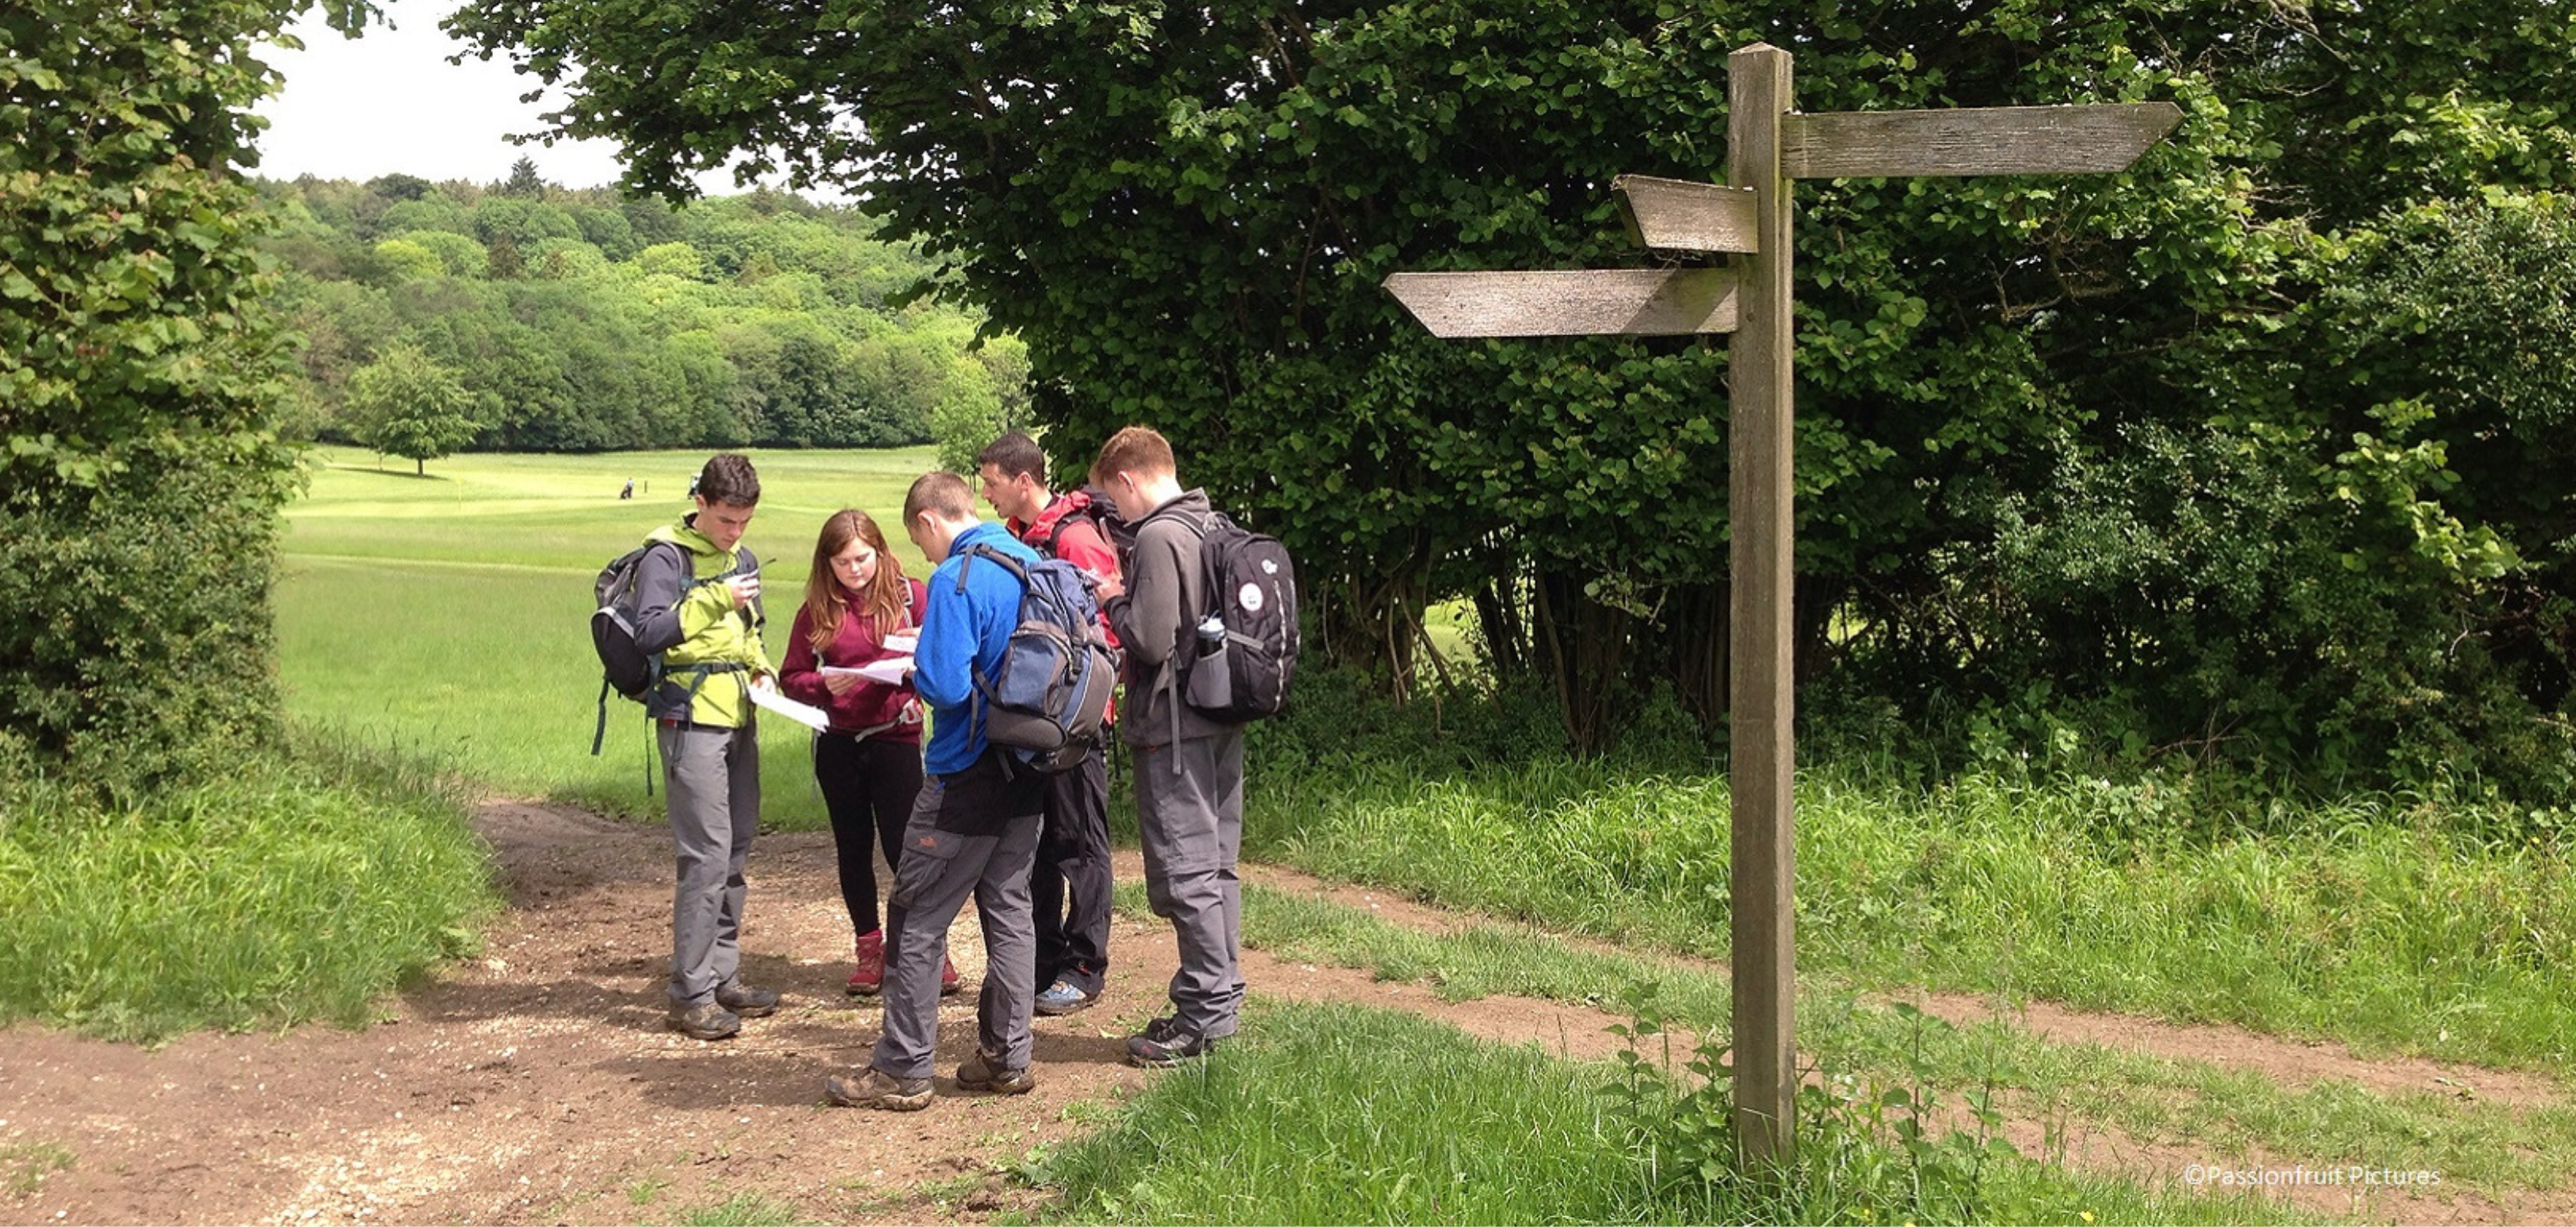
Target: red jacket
x=1059 y=533
x=868 y=705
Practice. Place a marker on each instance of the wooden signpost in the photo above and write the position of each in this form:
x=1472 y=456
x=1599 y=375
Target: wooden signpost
x=1768 y=145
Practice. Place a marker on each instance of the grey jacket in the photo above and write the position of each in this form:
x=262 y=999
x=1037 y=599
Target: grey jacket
x=1157 y=623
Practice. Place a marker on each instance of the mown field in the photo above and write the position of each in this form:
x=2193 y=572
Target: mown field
x=447 y=616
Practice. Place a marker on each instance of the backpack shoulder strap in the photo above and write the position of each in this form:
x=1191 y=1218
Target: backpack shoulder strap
x=1018 y=570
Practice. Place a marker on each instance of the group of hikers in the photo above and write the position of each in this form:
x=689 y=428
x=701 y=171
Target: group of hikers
x=961 y=815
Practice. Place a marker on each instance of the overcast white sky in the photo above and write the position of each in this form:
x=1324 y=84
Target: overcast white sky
x=390 y=102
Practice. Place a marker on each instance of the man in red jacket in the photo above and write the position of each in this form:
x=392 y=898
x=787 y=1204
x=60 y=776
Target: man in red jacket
x=1070 y=885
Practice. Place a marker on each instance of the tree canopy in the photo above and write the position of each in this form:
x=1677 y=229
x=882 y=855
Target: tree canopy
x=2059 y=440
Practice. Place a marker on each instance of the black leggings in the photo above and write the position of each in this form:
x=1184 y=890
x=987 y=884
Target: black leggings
x=866 y=784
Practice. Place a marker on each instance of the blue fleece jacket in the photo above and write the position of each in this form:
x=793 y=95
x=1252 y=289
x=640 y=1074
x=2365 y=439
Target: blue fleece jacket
x=962 y=632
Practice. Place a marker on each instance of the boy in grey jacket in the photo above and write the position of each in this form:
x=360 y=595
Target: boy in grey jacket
x=1189 y=768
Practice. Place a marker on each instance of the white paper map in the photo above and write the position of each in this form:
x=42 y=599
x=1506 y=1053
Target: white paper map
x=889 y=671
x=805 y=714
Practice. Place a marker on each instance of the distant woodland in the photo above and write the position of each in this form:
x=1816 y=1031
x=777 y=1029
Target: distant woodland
x=549 y=319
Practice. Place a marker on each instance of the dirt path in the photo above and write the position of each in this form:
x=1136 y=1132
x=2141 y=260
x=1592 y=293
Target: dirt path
x=536 y=1084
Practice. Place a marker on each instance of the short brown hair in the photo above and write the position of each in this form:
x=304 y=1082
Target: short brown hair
x=942 y=492
x=729 y=479
x=1015 y=454
x=1136 y=449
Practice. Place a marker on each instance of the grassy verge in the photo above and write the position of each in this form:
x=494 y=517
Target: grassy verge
x=295 y=889
x=2374 y=925
x=2225 y=1114
x=1341 y=1114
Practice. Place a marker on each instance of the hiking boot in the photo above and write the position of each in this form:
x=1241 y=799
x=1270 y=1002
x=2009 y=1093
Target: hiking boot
x=1173 y=1045
x=982 y=1073
x=705 y=1021
x=746 y=1001
x=878 y=1089
x=948 y=984
x=869 y=979
x=1064 y=997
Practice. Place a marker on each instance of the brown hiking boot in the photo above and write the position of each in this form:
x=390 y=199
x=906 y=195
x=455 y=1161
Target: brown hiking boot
x=875 y=1088
x=746 y=1001
x=983 y=1073
x=705 y=1021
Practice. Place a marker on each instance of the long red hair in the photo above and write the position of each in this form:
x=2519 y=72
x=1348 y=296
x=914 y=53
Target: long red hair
x=826 y=601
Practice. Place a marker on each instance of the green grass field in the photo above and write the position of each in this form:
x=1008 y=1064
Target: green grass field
x=441 y=620
x=448 y=615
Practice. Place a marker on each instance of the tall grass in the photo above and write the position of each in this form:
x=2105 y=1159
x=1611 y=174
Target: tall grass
x=2474 y=1144
x=1342 y=1114
x=294 y=889
x=2371 y=919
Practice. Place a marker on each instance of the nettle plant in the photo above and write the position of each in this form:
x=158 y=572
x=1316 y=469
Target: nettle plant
x=1867 y=1152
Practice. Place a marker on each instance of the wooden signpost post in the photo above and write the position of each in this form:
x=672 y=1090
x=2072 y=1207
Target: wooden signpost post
x=1768 y=145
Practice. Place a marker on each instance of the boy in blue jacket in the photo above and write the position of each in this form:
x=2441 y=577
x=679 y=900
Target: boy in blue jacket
x=974 y=829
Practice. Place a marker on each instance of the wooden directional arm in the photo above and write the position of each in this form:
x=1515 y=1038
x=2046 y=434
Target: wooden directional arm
x=1973 y=140
x=1680 y=215
x=1636 y=302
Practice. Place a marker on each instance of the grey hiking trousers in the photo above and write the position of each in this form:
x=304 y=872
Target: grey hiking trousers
x=1191 y=822
x=972 y=833
x=712 y=776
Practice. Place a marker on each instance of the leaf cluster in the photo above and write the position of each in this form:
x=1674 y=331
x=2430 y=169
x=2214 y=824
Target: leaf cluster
x=138 y=378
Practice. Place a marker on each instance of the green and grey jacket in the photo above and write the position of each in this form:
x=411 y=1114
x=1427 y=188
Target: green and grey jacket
x=710 y=649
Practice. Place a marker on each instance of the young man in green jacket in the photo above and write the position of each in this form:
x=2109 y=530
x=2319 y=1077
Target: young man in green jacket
x=700 y=608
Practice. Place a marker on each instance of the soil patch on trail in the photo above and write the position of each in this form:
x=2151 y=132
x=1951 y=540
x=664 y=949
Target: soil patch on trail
x=536 y=1083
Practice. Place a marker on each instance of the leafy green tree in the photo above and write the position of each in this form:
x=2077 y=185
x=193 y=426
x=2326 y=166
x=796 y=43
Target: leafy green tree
x=502 y=259
x=460 y=256
x=406 y=260
x=672 y=260
x=968 y=415
x=436 y=211
x=523 y=181
x=140 y=374
x=405 y=404
x=1186 y=215
x=400 y=187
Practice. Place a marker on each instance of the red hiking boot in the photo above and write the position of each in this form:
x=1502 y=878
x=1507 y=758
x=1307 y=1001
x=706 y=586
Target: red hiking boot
x=870 y=975
x=948 y=985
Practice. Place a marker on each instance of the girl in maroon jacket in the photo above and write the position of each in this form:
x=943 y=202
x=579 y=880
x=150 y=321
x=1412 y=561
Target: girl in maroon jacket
x=869 y=763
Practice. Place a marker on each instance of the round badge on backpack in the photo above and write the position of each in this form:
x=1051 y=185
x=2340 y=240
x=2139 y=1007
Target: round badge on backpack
x=1250 y=598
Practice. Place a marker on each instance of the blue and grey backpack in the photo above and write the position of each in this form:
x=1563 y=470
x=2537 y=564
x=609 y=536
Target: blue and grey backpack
x=1049 y=698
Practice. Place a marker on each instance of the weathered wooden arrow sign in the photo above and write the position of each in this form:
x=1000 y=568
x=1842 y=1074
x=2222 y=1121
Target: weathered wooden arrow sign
x=1637 y=302
x=1768 y=145
x=2070 y=140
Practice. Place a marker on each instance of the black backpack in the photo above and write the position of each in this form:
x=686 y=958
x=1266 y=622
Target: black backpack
x=1047 y=700
x=1247 y=639
x=624 y=666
